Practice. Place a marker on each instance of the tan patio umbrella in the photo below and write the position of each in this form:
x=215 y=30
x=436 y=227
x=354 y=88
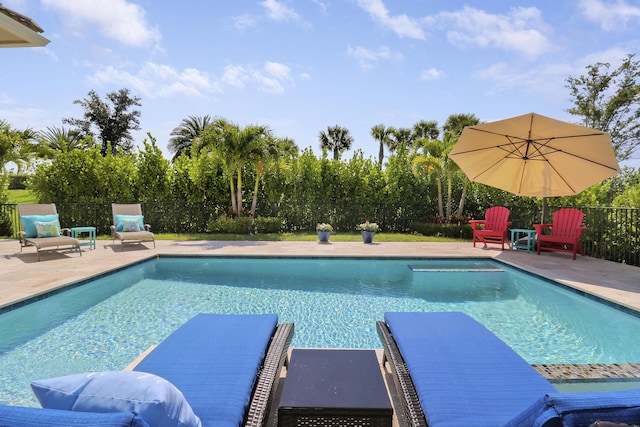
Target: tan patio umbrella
x=534 y=155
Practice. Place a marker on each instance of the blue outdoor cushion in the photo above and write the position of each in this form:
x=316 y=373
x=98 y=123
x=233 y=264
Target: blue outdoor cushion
x=19 y=416
x=28 y=222
x=214 y=360
x=155 y=399
x=121 y=219
x=464 y=374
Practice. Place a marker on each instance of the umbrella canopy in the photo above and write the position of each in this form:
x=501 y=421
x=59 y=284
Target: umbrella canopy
x=534 y=155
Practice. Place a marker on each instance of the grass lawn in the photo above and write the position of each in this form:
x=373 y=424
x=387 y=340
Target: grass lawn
x=22 y=196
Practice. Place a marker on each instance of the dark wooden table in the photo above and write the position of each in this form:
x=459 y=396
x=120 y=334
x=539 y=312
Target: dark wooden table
x=334 y=388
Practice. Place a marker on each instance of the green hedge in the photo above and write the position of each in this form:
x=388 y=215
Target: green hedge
x=245 y=225
x=456 y=231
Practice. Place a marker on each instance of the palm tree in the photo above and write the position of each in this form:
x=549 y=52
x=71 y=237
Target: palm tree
x=384 y=137
x=16 y=146
x=185 y=133
x=453 y=128
x=434 y=160
x=336 y=139
x=403 y=137
x=59 y=139
x=236 y=147
x=426 y=129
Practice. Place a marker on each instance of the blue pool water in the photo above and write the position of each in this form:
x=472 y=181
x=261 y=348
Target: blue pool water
x=107 y=322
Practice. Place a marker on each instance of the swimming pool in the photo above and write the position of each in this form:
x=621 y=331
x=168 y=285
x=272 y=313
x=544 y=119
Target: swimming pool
x=107 y=322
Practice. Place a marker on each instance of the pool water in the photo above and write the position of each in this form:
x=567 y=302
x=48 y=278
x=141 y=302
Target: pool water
x=107 y=322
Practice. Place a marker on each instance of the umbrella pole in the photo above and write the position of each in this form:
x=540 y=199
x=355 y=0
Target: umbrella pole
x=544 y=210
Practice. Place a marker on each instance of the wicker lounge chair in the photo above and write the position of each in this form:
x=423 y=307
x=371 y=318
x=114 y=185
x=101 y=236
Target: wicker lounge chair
x=226 y=366
x=451 y=371
x=124 y=212
x=30 y=214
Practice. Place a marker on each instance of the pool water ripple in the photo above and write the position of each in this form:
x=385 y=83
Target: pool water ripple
x=333 y=303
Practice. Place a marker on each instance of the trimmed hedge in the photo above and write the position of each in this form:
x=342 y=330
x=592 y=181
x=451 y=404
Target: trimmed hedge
x=455 y=231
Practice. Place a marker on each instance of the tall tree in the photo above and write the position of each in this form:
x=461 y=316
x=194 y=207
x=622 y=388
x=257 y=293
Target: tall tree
x=114 y=122
x=235 y=147
x=16 y=146
x=184 y=134
x=403 y=137
x=609 y=100
x=426 y=129
x=453 y=128
x=383 y=135
x=336 y=139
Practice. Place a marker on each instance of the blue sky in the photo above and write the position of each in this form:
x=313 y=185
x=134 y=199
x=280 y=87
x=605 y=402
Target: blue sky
x=300 y=66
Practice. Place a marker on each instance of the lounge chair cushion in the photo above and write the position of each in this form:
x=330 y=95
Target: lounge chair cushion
x=155 y=399
x=121 y=220
x=47 y=229
x=214 y=359
x=581 y=409
x=28 y=222
x=20 y=416
x=464 y=375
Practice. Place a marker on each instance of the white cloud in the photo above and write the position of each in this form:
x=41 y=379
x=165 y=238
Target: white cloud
x=272 y=77
x=277 y=11
x=116 y=19
x=610 y=16
x=431 y=74
x=522 y=30
x=245 y=21
x=156 y=80
x=367 y=58
x=402 y=25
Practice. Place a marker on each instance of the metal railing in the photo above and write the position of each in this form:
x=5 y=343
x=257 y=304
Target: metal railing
x=612 y=233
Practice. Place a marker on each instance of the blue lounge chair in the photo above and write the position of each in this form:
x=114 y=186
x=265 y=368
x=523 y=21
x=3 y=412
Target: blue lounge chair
x=452 y=371
x=225 y=365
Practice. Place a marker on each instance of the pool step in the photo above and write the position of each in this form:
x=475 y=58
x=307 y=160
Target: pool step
x=418 y=269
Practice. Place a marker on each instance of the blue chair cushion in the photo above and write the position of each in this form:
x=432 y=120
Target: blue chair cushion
x=18 y=416
x=462 y=372
x=121 y=220
x=28 y=223
x=214 y=360
x=155 y=399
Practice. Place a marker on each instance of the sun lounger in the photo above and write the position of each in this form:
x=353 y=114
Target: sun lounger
x=41 y=229
x=452 y=371
x=125 y=215
x=225 y=365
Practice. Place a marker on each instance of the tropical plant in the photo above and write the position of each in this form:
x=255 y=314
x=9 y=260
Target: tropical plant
x=16 y=146
x=185 y=133
x=60 y=139
x=235 y=147
x=336 y=139
x=114 y=122
x=384 y=136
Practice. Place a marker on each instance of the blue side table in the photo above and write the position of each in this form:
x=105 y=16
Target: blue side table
x=522 y=238
x=91 y=231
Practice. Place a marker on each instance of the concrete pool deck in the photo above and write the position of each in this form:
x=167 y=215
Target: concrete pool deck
x=22 y=276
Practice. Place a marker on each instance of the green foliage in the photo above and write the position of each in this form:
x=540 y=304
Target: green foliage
x=18 y=182
x=456 y=231
x=610 y=101
x=114 y=122
x=152 y=173
x=224 y=224
x=263 y=224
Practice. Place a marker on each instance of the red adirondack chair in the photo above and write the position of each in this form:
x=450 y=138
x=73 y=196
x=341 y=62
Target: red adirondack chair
x=565 y=232
x=493 y=228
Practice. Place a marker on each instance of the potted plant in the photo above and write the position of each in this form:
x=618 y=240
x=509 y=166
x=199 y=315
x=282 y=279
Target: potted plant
x=368 y=230
x=324 y=231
